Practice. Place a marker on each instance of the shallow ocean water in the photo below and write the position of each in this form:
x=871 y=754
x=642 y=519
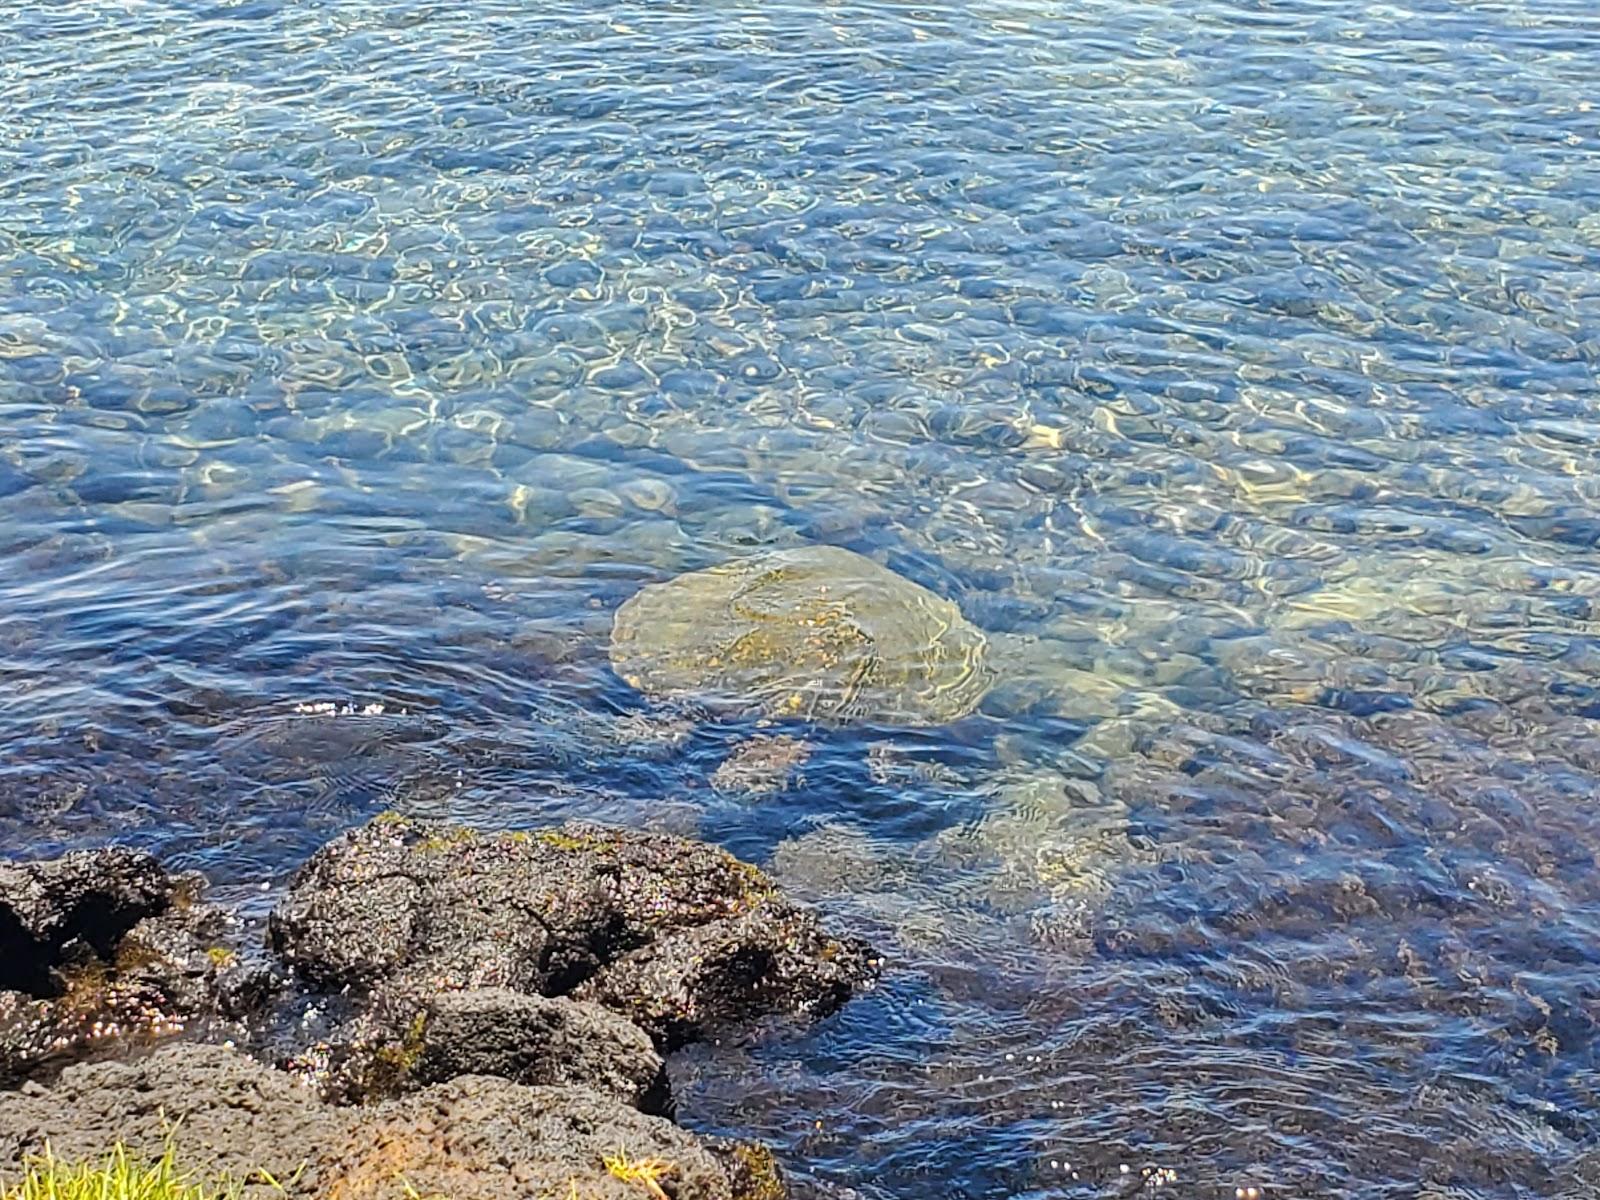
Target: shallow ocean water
x=1232 y=365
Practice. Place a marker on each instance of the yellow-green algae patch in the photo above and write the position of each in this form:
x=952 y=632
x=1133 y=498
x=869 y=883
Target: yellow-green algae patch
x=759 y=1178
x=558 y=839
x=394 y=1064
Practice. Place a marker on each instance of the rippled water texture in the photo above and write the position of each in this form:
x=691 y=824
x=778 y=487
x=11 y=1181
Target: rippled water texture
x=1231 y=366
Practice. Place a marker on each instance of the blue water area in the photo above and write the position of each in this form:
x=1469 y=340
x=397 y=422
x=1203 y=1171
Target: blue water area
x=1232 y=365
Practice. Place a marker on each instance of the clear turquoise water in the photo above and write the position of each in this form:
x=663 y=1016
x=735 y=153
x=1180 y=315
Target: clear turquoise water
x=1233 y=364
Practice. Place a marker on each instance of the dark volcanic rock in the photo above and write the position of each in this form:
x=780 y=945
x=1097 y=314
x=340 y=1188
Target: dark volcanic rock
x=475 y=1138
x=535 y=1040
x=756 y=962
x=677 y=936
x=73 y=907
x=101 y=945
x=500 y=1002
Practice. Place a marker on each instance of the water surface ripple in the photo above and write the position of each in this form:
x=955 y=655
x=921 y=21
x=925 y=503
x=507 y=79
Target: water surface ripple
x=1233 y=365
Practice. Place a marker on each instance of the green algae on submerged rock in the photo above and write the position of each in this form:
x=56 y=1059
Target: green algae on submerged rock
x=815 y=632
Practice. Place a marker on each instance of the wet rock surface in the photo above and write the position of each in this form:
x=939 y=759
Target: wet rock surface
x=493 y=1011
x=677 y=936
x=473 y=1137
x=104 y=946
x=538 y=1040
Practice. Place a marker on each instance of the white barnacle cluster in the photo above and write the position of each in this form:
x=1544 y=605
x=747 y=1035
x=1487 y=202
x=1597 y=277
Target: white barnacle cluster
x=328 y=708
x=1149 y=1177
x=119 y=1015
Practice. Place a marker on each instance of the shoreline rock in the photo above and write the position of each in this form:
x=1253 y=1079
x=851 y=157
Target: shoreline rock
x=677 y=937
x=536 y=1040
x=101 y=947
x=476 y=1137
x=505 y=1002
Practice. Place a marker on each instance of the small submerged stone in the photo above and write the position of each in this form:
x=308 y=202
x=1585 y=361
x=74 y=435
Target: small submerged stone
x=648 y=495
x=1050 y=847
x=762 y=765
x=573 y=273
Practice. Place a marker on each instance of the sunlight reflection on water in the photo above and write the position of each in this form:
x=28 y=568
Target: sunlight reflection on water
x=1231 y=365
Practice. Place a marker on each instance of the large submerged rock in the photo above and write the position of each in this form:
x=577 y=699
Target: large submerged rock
x=817 y=632
x=473 y=1138
x=100 y=947
x=444 y=935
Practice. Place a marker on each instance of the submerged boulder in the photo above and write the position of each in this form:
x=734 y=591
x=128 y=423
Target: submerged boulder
x=816 y=632
x=101 y=946
x=762 y=765
x=675 y=936
x=474 y=1138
